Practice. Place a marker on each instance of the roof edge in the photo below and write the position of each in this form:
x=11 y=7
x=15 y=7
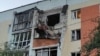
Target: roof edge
x=24 y=5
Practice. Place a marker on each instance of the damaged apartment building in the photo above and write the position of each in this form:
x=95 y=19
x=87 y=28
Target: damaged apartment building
x=37 y=29
x=49 y=27
x=42 y=28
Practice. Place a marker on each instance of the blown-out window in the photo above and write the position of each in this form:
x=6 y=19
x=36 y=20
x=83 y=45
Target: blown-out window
x=54 y=19
x=23 y=20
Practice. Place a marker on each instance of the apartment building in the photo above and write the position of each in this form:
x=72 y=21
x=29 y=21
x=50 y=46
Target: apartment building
x=81 y=15
x=49 y=27
x=37 y=28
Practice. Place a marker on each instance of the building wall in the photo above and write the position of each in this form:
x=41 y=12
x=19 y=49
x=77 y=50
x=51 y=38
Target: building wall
x=68 y=46
x=6 y=17
x=88 y=23
x=4 y=30
x=75 y=46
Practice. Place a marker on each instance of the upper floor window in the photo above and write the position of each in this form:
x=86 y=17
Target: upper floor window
x=54 y=19
x=23 y=20
x=75 y=54
x=46 y=29
x=76 y=14
x=76 y=34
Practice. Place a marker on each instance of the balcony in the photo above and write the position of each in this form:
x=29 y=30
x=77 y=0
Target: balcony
x=23 y=20
x=37 y=42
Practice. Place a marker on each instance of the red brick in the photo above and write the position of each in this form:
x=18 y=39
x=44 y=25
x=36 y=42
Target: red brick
x=88 y=14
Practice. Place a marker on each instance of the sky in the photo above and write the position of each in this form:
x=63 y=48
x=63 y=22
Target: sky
x=9 y=4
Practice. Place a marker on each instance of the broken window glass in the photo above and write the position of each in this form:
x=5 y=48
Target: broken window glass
x=24 y=43
x=22 y=39
x=29 y=36
x=52 y=20
x=25 y=36
x=17 y=38
x=23 y=20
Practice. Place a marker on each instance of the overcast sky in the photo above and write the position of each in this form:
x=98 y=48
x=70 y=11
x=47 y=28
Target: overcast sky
x=9 y=4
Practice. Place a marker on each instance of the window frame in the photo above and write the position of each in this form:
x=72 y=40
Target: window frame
x=76 y=53
x=75 y=36
x=75 y=16
x=42 y=50
x=21 y=22
x=17 y=36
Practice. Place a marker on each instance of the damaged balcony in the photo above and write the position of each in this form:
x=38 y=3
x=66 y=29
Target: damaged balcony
x=49 y=24
x=44 y=42
x=22 y=25
x=46 y=32
x=23 y=20
x=22 y=28
x=22 y=40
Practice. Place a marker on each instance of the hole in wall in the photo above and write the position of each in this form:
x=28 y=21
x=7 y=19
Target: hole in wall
x=52 y=20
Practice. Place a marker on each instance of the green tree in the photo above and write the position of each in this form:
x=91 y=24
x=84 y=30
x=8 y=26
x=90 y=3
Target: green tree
x=8 y=52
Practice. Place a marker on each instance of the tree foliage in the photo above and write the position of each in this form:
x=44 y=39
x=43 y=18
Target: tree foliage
x=11 y=53
x=8 y=52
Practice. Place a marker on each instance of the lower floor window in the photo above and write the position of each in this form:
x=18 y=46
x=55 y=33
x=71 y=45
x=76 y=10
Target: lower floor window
x=75 y=54
x=46 y=52
x=21 y=39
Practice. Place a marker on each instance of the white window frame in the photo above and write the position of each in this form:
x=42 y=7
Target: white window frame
x=74 y=14
x=75 y=36
x=23 y=40
x=48 y=49
x=76 y=53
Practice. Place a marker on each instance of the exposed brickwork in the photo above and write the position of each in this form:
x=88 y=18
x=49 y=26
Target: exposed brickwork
x=88 y=14
x=44 y=42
